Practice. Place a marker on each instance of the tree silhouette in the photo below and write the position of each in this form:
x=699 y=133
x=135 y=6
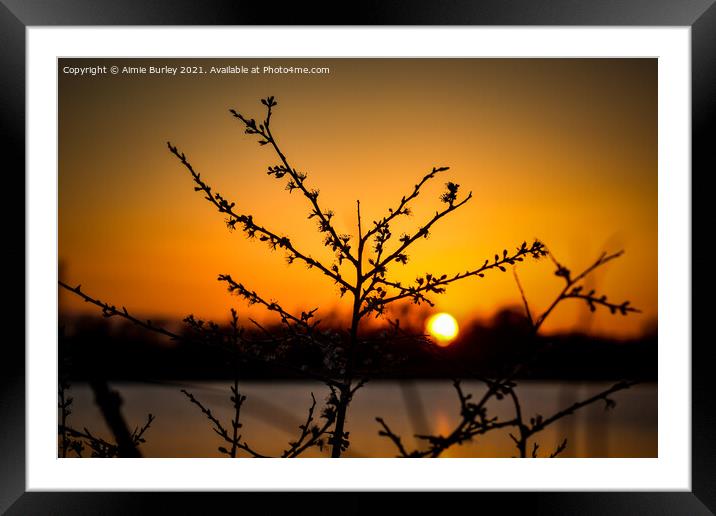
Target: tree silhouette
x=475 y=420
x=360 y=269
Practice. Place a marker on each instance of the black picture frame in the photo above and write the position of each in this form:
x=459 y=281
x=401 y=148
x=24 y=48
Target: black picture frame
x=17 y=15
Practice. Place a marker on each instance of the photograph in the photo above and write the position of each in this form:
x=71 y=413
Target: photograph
x=357 y=257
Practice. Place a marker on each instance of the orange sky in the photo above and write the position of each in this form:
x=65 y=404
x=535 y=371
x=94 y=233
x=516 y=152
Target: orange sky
x=563 y=150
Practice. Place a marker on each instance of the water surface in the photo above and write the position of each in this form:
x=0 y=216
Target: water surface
x=273 y=411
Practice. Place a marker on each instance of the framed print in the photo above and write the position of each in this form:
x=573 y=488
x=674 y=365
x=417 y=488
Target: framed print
x=452 y=234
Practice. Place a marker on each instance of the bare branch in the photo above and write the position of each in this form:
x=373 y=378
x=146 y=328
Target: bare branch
x=528 y=313
x=253 y=298
x=540 y=424
x=407 y=241
x=297 y=181
x=311 y=434
x=137 y=435
x=571 y=290
x=402 y=208
x=221 y=431
x=560 y=448
x=592 y=301
x=387 y=432
x=250 y=227
x=436 y=284
x=521 y=441
x=101 y=447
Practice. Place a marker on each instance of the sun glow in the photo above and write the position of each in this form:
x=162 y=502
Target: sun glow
x=443 y=327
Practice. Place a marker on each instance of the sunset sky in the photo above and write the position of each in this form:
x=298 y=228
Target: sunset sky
x=563 y=150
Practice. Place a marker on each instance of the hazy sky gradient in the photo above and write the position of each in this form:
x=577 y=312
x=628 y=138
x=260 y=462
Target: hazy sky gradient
x=563 y=150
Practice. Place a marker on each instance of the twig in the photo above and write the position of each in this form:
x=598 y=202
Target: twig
x=250 y=227
x=219 y=429
x=562 y=446
x=387 y=432
x=528 y=313
x=297 y=179
x=253 y=298
x=436 y=284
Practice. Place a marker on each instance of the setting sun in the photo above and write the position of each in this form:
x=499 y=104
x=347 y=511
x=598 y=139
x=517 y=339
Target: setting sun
x=443 y=327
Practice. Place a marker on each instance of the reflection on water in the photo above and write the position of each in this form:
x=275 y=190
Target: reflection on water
x=274 y=410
